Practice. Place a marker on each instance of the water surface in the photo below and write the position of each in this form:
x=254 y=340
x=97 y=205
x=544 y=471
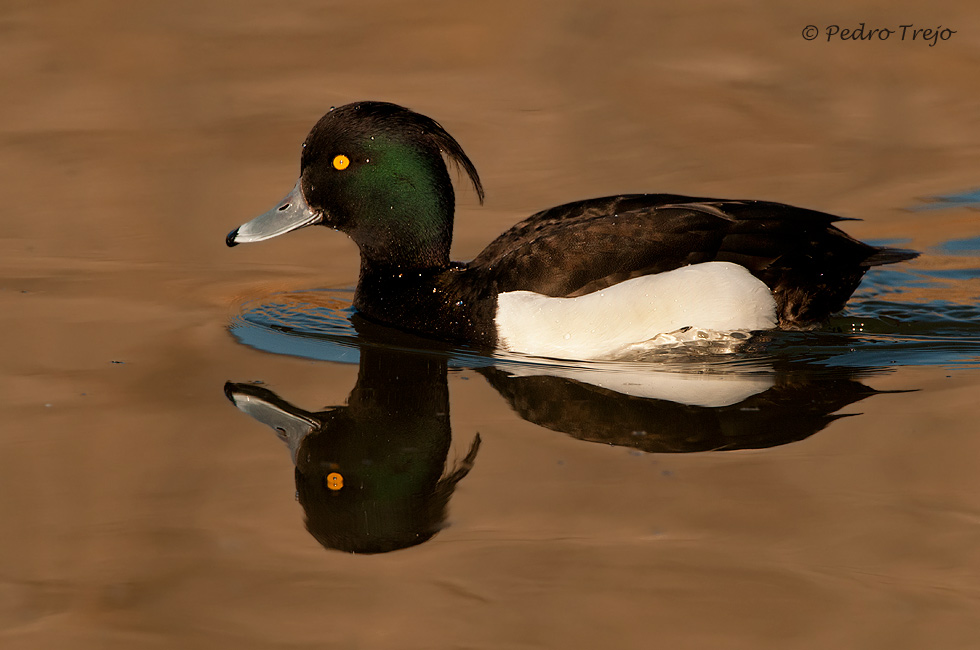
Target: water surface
x=815 y=489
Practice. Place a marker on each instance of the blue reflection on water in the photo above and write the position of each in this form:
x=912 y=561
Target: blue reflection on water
x=969 y=246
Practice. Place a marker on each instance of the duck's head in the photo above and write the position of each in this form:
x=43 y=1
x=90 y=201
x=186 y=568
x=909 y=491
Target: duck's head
x=375 y=171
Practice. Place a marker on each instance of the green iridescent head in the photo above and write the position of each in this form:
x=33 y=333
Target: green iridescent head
x=375 y=171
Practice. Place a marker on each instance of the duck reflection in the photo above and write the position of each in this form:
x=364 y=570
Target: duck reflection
x=371 y=475
x=677 y=413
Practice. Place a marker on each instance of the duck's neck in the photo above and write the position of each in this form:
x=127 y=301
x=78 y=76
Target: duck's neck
x=399 y=294
x=431 y=302
x=402 y=246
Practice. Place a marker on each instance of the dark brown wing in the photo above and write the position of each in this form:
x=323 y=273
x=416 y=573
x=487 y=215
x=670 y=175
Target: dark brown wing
x=811 y=266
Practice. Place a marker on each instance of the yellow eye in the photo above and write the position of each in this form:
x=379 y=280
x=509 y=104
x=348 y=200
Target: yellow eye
x=334 y=480
x=341 y=162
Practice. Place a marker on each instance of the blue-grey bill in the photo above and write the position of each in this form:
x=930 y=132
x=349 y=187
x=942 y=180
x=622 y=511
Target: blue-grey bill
x=291 y=427
x=292 y=213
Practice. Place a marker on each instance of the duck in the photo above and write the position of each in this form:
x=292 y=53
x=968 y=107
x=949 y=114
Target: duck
x=588 y=279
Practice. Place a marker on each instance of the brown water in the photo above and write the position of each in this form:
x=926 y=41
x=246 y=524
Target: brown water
x=140 y=509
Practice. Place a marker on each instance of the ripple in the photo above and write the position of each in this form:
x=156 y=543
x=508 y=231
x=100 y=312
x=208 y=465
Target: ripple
x=915 y=315
x=966 y=199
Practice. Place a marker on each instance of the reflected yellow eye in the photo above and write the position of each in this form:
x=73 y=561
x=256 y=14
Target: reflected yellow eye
x=334 y=480
x=341 y=162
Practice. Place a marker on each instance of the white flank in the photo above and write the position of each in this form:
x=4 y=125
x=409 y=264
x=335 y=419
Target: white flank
x=714 y=296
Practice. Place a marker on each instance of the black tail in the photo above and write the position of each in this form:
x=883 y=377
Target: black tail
x=889 y=256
